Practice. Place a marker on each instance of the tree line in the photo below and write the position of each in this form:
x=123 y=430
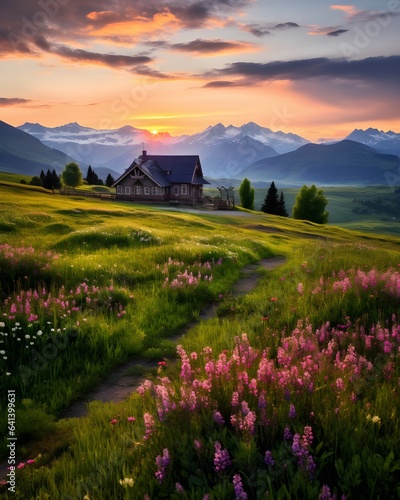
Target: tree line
x=310 y=202
x=71 y=176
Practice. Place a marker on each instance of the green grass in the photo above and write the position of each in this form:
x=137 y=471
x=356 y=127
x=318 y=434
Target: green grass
x=123 y=253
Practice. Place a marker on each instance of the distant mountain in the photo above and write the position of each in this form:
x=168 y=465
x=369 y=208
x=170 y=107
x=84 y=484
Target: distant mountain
x=343 y=163
x=224 y=151
x=21 y=153
x=385 y=142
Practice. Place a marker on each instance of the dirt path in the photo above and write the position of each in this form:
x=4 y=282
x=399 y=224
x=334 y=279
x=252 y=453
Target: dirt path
x=122 y=381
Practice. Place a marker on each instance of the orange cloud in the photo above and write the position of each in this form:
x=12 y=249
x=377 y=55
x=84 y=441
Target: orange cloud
x=350 y=10
x=139 y=26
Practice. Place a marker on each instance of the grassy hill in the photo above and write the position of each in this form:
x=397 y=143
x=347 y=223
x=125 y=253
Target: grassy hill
x=292 y=390
x=21 y=153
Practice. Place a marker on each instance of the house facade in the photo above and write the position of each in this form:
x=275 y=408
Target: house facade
x=162 y=179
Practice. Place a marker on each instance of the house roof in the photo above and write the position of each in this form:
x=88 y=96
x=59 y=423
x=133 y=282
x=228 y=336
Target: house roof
x=165 y=170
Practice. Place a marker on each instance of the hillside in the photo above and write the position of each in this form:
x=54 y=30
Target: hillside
x=342 y=163
x=21 y=153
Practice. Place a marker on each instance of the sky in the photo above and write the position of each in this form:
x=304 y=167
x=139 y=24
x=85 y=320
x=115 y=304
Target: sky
x=315 y=68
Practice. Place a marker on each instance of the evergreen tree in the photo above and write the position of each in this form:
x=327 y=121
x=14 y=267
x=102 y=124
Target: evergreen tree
x=271 y=202
x=55 y=179
x=109 y=180
x=90 y=175
x=310 y=205
x=282 y=206
x=246 y=194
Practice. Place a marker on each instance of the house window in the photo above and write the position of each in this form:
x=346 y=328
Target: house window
x=119 y=189
x=184 y=190
x=154 y=190
x=176 y=190
x=138 y=190
x=127 y=190
x=146 y=190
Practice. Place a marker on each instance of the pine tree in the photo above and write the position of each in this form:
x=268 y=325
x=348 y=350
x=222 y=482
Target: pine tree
x=282 y=206
x=109 y=180
x=271 y=203
x=90 y=175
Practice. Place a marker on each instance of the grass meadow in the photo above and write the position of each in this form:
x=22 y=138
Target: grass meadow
x=291 y=391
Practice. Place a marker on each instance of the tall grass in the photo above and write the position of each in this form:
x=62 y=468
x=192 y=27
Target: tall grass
x=292 y=391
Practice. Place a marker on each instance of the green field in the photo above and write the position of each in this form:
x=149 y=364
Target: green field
x=291 y=391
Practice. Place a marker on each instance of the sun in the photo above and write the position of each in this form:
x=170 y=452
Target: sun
x=154 y=132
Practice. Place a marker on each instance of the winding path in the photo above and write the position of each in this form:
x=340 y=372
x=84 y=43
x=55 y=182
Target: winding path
x=122 y=381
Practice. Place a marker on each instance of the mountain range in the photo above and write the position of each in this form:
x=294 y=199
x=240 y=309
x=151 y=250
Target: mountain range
x=229 y=153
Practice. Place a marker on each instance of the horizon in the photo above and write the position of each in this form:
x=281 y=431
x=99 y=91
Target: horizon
x=317 y=70
x=155 y=133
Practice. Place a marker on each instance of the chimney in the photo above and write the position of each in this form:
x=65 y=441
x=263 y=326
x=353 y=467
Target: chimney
x=144 y=154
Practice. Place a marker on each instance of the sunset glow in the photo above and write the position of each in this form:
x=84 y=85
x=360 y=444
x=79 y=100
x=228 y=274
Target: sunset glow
x=319 y=70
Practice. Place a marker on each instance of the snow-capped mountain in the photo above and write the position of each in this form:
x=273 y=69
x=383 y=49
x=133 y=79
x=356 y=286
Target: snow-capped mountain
x=223 y=150
x=386 y=142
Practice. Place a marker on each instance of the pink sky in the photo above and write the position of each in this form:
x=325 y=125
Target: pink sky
x=318 y=69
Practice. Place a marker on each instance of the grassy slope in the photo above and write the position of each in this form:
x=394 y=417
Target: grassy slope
x=46 y=221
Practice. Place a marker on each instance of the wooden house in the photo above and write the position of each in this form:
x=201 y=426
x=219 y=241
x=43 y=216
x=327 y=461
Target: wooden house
x=175 y=179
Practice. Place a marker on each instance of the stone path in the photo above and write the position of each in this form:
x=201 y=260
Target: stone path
x=122 y=381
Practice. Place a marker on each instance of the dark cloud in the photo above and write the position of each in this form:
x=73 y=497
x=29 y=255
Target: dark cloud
x=257 y=30
x=112 y=60
x=12 y=101
x=208 y=46
x=337 y=32
x=285 y=26
x=373 y=68
x=220 y=84
x=62 y=20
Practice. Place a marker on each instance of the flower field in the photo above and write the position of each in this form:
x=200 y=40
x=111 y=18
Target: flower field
x=291 y=391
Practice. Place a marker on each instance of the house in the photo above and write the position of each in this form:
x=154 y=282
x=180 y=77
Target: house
x=162 y=179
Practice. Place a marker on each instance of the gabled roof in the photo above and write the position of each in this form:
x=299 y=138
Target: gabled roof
x=165 y=170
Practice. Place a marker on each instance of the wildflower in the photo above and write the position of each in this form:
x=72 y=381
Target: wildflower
x=292 y=411
x=221 y=458
x=326 y=494
x=30 y=461
x=149 y=424
x=113 y=421
x=179 y=488
x=300 y=288
x=21 y=465
x=240 y=494
x=198 y=444
x=268 y=459
x=127 y=481
x=218 y=418
x=131 y=419
x=162 y=462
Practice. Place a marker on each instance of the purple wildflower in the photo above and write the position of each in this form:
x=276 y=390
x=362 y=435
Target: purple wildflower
x=221 y=458
x=240 y=494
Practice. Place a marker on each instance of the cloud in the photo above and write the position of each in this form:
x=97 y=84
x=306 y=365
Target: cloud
x=13 y=101
x=220 y=84
x=263 y=29
x=210 y=47
x=370 y=69
x=336 y=32
x=350 y=10
x=285 y=26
